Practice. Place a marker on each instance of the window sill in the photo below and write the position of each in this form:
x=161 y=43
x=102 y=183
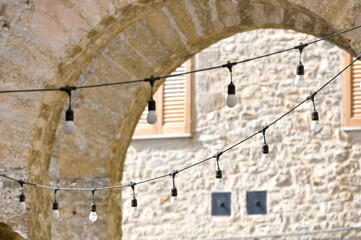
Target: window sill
x=352 y=132
x=185 y=135
x=351 y=129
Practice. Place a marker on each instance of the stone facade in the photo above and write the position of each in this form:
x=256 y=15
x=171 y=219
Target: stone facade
x=50 y=43
x=308 y=177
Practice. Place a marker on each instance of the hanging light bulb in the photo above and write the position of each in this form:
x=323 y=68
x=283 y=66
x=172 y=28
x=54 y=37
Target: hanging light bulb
x=299 y=79
x=22 y=204
x=93 y=209
x=69 y=126
x=152 y=116
x=134 y=212
x=218 y=182
x=265 y=149
x=56 y=214
x=231 y=100
x=265 y=152
x=315 y=126
x=173 y=191
x=173 y=195
x=93 y=213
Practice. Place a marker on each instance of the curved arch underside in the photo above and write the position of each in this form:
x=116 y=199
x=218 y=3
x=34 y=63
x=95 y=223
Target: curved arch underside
x=7 y=233
x=111 y=42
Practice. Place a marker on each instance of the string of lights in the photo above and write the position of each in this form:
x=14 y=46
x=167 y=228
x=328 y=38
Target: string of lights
x=299 y=46
x=69 y=128
x=218 y=175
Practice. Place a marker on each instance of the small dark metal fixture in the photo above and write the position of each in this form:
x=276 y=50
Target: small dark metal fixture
x=221 y=204
x=257 y=202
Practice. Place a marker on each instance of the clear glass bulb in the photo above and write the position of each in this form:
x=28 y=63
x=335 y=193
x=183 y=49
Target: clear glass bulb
x=265 y=162
x=151 y=117
x=69 y=127
x=315 y=126
x=22 y=206
x=219 y=184
x=264 y=157
x=134 y=212
x=173 y=200
x=56 y=214
x=93 y=216
x=299 y=81
x=231 y=100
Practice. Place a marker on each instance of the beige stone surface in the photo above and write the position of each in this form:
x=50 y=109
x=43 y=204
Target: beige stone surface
x=304 y=175
x=46 y=43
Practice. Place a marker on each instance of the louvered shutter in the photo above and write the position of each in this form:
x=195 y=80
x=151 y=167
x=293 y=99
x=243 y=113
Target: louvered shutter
x=351 y=96
x=173 y=99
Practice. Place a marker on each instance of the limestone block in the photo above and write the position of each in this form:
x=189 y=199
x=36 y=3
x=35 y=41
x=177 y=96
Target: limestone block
x=283 y=179
x=334 y=207
x=338 y=156
x=313 y=158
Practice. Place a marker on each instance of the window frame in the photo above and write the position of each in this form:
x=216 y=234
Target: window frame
x=159 y=130
x=349 y=122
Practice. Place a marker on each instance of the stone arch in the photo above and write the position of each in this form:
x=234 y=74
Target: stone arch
x=6 y=232
x=128 y=43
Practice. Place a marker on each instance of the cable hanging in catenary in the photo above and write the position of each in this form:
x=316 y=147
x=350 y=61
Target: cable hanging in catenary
x=174 y=193
x=69 y=128
x=228 y=65
x=231 y=101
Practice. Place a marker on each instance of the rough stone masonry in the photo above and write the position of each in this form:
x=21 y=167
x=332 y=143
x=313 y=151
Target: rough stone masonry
x=308 y=177
x=47 y=43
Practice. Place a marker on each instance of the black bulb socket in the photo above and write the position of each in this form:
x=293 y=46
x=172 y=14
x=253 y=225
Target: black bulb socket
x=69 y=115
x=231 y=88
x=151 y=105
x=218 y=173
x=22 y=197
x=314 y=116
x=93 y=207
x=55 y=205
x=265 y=149
x=134 y=202
x=174 y=192
x=300 y=69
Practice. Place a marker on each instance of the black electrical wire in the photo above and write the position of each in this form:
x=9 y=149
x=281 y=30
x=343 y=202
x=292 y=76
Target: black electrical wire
x=199 y=162
x=301 y=45
x=110 y=84
x=30 y=90
x=357 y=58
x=335 y=34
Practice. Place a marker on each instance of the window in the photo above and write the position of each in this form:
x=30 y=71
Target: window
x=173 y=108
x=351 y=94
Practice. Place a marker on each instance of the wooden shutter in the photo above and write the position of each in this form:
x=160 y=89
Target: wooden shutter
x=173 y=99
x=351 y=94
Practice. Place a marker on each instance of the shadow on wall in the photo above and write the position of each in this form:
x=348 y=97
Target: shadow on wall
x=6 y=232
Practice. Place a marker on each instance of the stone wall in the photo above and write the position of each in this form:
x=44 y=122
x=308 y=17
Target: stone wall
x=304 y=177
x=50 y=43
